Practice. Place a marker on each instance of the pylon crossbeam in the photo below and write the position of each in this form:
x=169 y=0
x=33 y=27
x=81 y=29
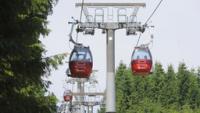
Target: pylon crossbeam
x=95 y=12
x=111 y=25
x=119 y=5
x=88 y=94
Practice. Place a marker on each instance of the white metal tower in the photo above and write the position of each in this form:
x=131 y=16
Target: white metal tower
x=110 y=17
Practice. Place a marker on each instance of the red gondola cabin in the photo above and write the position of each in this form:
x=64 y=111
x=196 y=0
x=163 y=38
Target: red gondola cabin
x=141 y=61
x=80 y=62
x=67 y=96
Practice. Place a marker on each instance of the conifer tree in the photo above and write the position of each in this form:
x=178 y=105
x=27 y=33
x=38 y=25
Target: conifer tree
x=22 y=66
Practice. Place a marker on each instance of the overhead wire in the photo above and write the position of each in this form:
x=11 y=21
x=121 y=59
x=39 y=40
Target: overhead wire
x=81 y=13
x=80 y=19
x=154 y=11
x=138 y=39
x=149 y=19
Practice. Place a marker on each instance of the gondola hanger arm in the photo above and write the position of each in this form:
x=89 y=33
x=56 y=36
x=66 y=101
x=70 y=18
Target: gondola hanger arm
x=71 y=32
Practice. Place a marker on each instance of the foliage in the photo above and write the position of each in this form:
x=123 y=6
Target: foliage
x=161 y=92
x=22 y=67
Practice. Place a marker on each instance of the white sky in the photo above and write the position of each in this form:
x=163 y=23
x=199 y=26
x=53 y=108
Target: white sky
x=176 y=37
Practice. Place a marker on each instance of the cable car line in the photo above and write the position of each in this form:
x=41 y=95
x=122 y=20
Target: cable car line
x=81 y=13
x=149 y=19
x=80 y=20
x=138 y=39
x=75 y=42
x=153 y=12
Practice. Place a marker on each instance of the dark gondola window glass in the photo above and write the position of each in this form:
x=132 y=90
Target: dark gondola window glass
x=78 y=56
x=67 y=92
x=81 y=56
x=88 y=57
x=141 y=54
x=74 y=56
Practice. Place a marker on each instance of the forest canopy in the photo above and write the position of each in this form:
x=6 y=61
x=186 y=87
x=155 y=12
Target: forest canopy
x=161 y=92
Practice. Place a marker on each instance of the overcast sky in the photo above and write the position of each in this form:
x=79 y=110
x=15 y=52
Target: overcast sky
x=176 y=37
